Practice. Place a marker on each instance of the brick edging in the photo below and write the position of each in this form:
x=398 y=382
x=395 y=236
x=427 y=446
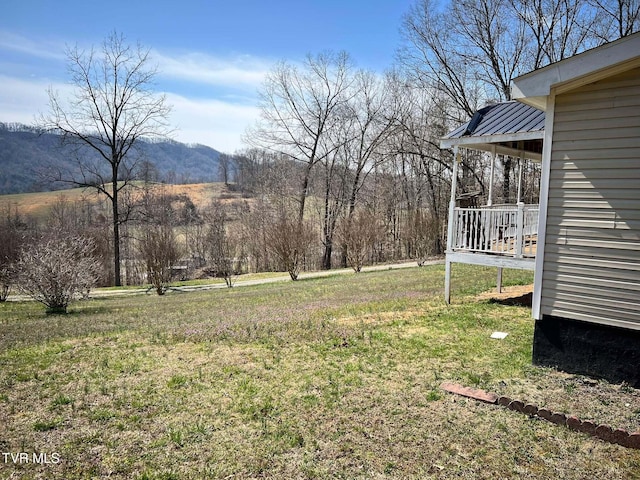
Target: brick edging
x=603 y=432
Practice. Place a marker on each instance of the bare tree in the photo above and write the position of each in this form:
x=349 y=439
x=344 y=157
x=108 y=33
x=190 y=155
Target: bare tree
x=555 y=30
x=195 y=240
x=424 y=233
x=254 y=225
x=493 y=43
x=334 y=187
x=157 y=243
x=56 y=269
x=221 y=244
x=432 y=57
x=619 y=18
x=472 y=49
x=225 y=164
x=112 y=108
x=7 y=279
x=360 y=234
x=289 y=241
x=372 y=122
x=160 y=251
x=419 y=165
x=299 y=107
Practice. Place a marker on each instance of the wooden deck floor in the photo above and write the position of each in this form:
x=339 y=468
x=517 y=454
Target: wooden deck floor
x=507 y=247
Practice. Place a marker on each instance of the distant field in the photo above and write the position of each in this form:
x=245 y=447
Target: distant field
x=39 y=204
x=325 y=378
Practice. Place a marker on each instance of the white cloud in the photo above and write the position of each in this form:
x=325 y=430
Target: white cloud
x=50 y=50
x=22 y=100
x=221 y=114
x=211 y=122
x=242 y=72
x=238 y=72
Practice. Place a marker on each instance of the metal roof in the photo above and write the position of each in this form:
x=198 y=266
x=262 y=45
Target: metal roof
x=504 y=126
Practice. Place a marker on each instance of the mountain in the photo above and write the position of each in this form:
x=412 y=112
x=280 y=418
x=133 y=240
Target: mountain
x=25 y=153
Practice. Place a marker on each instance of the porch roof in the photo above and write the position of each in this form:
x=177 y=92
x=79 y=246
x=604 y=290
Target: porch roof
x=512 y=128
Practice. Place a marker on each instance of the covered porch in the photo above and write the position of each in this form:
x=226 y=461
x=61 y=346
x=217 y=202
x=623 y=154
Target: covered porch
x=500 y=235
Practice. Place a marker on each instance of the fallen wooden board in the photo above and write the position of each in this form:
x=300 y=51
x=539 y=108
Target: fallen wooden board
x=474 y=393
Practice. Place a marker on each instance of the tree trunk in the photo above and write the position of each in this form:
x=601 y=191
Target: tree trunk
x=352 y=207
x=116 y=232
x=304 y=191
x=326 y=257
x=327 y=226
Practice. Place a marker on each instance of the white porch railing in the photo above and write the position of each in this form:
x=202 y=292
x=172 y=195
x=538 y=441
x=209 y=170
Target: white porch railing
x=509 y=230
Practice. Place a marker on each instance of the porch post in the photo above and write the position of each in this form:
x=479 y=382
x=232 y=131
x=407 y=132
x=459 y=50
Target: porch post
x=520 y=160
x=520 y=214
x=450 y=225
x=493 y=167
x=490 y=203
x=520 y=230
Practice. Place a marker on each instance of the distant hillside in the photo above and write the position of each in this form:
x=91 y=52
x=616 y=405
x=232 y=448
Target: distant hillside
x=25 y=154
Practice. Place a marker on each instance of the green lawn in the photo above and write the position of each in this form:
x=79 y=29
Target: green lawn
x=335 y=377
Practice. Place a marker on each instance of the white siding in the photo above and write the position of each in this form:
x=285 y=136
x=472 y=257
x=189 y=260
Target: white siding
x=592 y=244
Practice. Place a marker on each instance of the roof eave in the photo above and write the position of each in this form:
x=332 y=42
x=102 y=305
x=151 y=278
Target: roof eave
x=587 y=67
x=489 y=139
x=537 y=102
x=489 y=143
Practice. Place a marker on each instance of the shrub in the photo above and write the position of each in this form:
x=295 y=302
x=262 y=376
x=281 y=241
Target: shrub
x=159 y=249
x=55 y=270
x=289 y=240
x=358 y=234
x=223 y=245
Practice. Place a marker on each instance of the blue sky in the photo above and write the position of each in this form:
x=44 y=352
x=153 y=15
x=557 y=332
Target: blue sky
x=212 y=55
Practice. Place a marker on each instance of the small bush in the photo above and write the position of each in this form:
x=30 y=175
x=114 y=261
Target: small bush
x=159 y=249
x=54 y=270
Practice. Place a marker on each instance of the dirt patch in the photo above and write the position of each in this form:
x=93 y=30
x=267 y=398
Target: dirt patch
x=518 y=295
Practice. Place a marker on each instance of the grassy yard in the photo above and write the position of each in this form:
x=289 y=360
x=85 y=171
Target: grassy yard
x=326 y=378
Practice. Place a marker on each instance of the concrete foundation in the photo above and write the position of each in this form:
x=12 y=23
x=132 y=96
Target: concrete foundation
x=589 y=349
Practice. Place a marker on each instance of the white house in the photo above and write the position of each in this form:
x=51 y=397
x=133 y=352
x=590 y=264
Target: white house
x=587 y=278
x=586 y=302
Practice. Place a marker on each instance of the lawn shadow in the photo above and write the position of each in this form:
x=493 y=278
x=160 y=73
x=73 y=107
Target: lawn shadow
x=525 y=300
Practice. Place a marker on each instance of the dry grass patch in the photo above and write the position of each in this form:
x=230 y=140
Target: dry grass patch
x=378 y=319
x=38 y=204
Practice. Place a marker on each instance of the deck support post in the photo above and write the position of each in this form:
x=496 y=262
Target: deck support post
x=447 y=282
x=450 y=225
x=499 y=280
